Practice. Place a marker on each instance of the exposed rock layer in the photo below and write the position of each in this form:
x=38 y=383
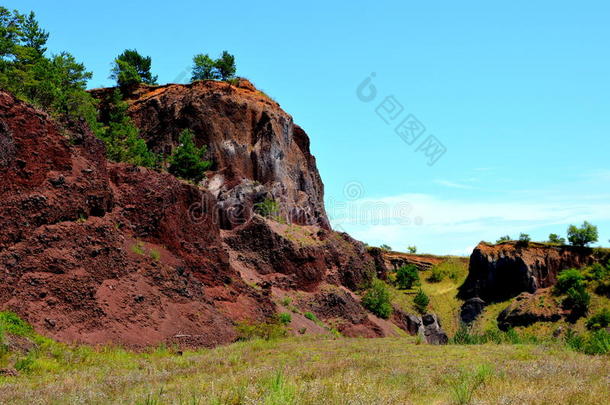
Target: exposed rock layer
x=499 y=272
x=98 y=252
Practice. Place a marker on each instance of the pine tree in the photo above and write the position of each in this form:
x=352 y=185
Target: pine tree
x=188 y=161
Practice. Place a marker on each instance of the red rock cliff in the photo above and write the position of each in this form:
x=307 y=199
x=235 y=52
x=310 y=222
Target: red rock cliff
x=257 y=150
x=98 y=252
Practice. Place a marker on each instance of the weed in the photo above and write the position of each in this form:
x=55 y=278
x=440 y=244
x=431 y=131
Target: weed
x=155 y=255
x=465 y=384
x=138 y=248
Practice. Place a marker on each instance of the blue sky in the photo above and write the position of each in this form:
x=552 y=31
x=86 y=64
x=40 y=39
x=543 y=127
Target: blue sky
x=518 y=93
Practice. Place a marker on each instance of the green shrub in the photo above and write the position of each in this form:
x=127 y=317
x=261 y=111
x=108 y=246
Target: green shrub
x=155 y=255
x=577 y=301
x=385 y=247
x=568 y=279
x=188 y=161
x=465 y=336
x=261 y=330
x=583 y=235
x=596 y=342
x=503 y=239
x=524 y=239
x=26 y=364
x=407 y=276
x=311 y=316
x=599 y=320
x=412 y=249
x=421 y=301
x=555 y=239
x=268 y=208
x=284 y=318
x=11 y=323
x=122 y=137
x=377 y=299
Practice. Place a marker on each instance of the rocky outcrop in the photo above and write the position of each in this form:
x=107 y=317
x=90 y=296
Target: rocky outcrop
x=499 y=272
x=527 y=309
x=432 y=330
x=257 y=150
x=428 y=326
x=471 y=309
x=97 y=252
x=387 y=261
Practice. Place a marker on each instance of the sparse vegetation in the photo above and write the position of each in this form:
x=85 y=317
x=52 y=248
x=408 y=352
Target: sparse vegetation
x=268 y=208
x=524 y=239
x=155 y=255
x=503 y=239
x=449 y=268
x=311 y=316
x=385 y=247
x=466 y=383
x=206 y=68
x=412 y=249
x=261 y=330
x=377 y=299
x=556 y=239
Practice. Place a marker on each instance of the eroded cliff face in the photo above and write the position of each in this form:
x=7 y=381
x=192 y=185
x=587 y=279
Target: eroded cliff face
x=499 y=272
x=257 y=150
x=98 y=252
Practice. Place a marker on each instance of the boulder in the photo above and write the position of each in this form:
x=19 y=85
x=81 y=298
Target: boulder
x=432 y=330
x=471 y=309
x=527 y=309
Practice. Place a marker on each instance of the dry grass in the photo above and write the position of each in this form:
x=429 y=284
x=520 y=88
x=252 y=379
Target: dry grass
x=316 y=370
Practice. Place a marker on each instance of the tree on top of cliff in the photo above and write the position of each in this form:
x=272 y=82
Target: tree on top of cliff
x=132 y=68
x=583 y=235
x=206 y=68
x=188 y=161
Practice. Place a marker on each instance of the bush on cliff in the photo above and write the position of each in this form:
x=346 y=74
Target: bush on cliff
x=407 y=276
x=188 y=161
x=567 y=279
x=377 y=299
x=421 y=301
x=556 y=239
x=206 y=68
x=583 y=235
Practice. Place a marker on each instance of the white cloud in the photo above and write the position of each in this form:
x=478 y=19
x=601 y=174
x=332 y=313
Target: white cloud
x=452 y=184
x=450 y=226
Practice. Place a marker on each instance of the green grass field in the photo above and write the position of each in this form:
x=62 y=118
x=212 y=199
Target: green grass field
x=311 y=370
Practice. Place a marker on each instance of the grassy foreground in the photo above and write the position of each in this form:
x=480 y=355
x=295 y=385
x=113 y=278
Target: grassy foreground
x=310 y=370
